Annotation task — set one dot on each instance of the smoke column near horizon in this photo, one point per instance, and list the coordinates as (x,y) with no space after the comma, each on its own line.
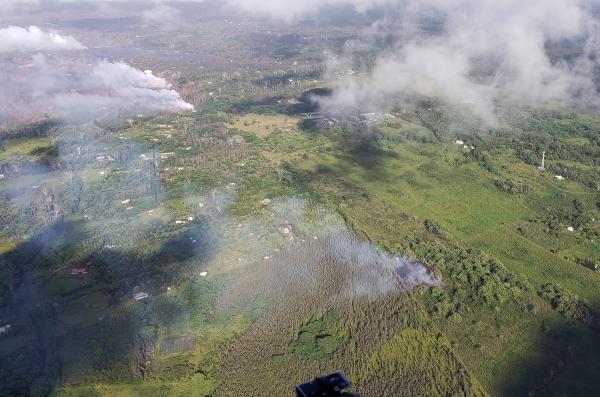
(77,90)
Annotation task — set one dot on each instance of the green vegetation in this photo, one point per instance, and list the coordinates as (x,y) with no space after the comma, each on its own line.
(213,214)
(319,337)
(412,359)
(491,226)
(494,250)
(567,304)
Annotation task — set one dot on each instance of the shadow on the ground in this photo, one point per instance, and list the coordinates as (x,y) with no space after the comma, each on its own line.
(85,327)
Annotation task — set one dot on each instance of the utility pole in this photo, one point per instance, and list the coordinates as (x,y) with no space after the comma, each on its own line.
(156,174)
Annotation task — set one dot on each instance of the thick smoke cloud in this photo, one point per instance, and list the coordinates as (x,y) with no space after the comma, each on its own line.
(74,89)
(474,53)
(18,39)
(487,52)
(77,90)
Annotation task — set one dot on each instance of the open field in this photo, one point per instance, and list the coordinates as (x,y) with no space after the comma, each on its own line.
(263,125)
(23,146)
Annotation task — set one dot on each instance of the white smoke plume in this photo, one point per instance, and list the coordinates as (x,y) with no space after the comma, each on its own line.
(487,52)
(305,249)
(471,52)
(18,39)
(77,90)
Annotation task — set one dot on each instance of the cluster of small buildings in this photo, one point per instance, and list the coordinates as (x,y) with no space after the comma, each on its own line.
(372,118)
(366,119)
(105,158)
(81,270)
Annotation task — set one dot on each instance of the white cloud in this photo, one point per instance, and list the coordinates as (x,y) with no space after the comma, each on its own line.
(290,10)
(17,39)
(282,9)
(163,16)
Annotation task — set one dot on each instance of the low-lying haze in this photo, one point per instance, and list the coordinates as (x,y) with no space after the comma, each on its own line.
(472,57)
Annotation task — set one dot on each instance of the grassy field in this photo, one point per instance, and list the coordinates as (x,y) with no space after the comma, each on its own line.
(421,181)
(262,125)
(23,146)
(424,181)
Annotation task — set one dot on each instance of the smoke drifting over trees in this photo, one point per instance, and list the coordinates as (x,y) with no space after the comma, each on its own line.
(77,90)
(464,52)
(335,267)
(459,51)
(73,89)
(477,58)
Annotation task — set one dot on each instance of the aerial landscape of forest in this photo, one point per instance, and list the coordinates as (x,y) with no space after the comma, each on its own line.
(231,198)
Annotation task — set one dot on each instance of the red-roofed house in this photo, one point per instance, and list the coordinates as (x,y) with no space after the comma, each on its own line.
(78,271)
